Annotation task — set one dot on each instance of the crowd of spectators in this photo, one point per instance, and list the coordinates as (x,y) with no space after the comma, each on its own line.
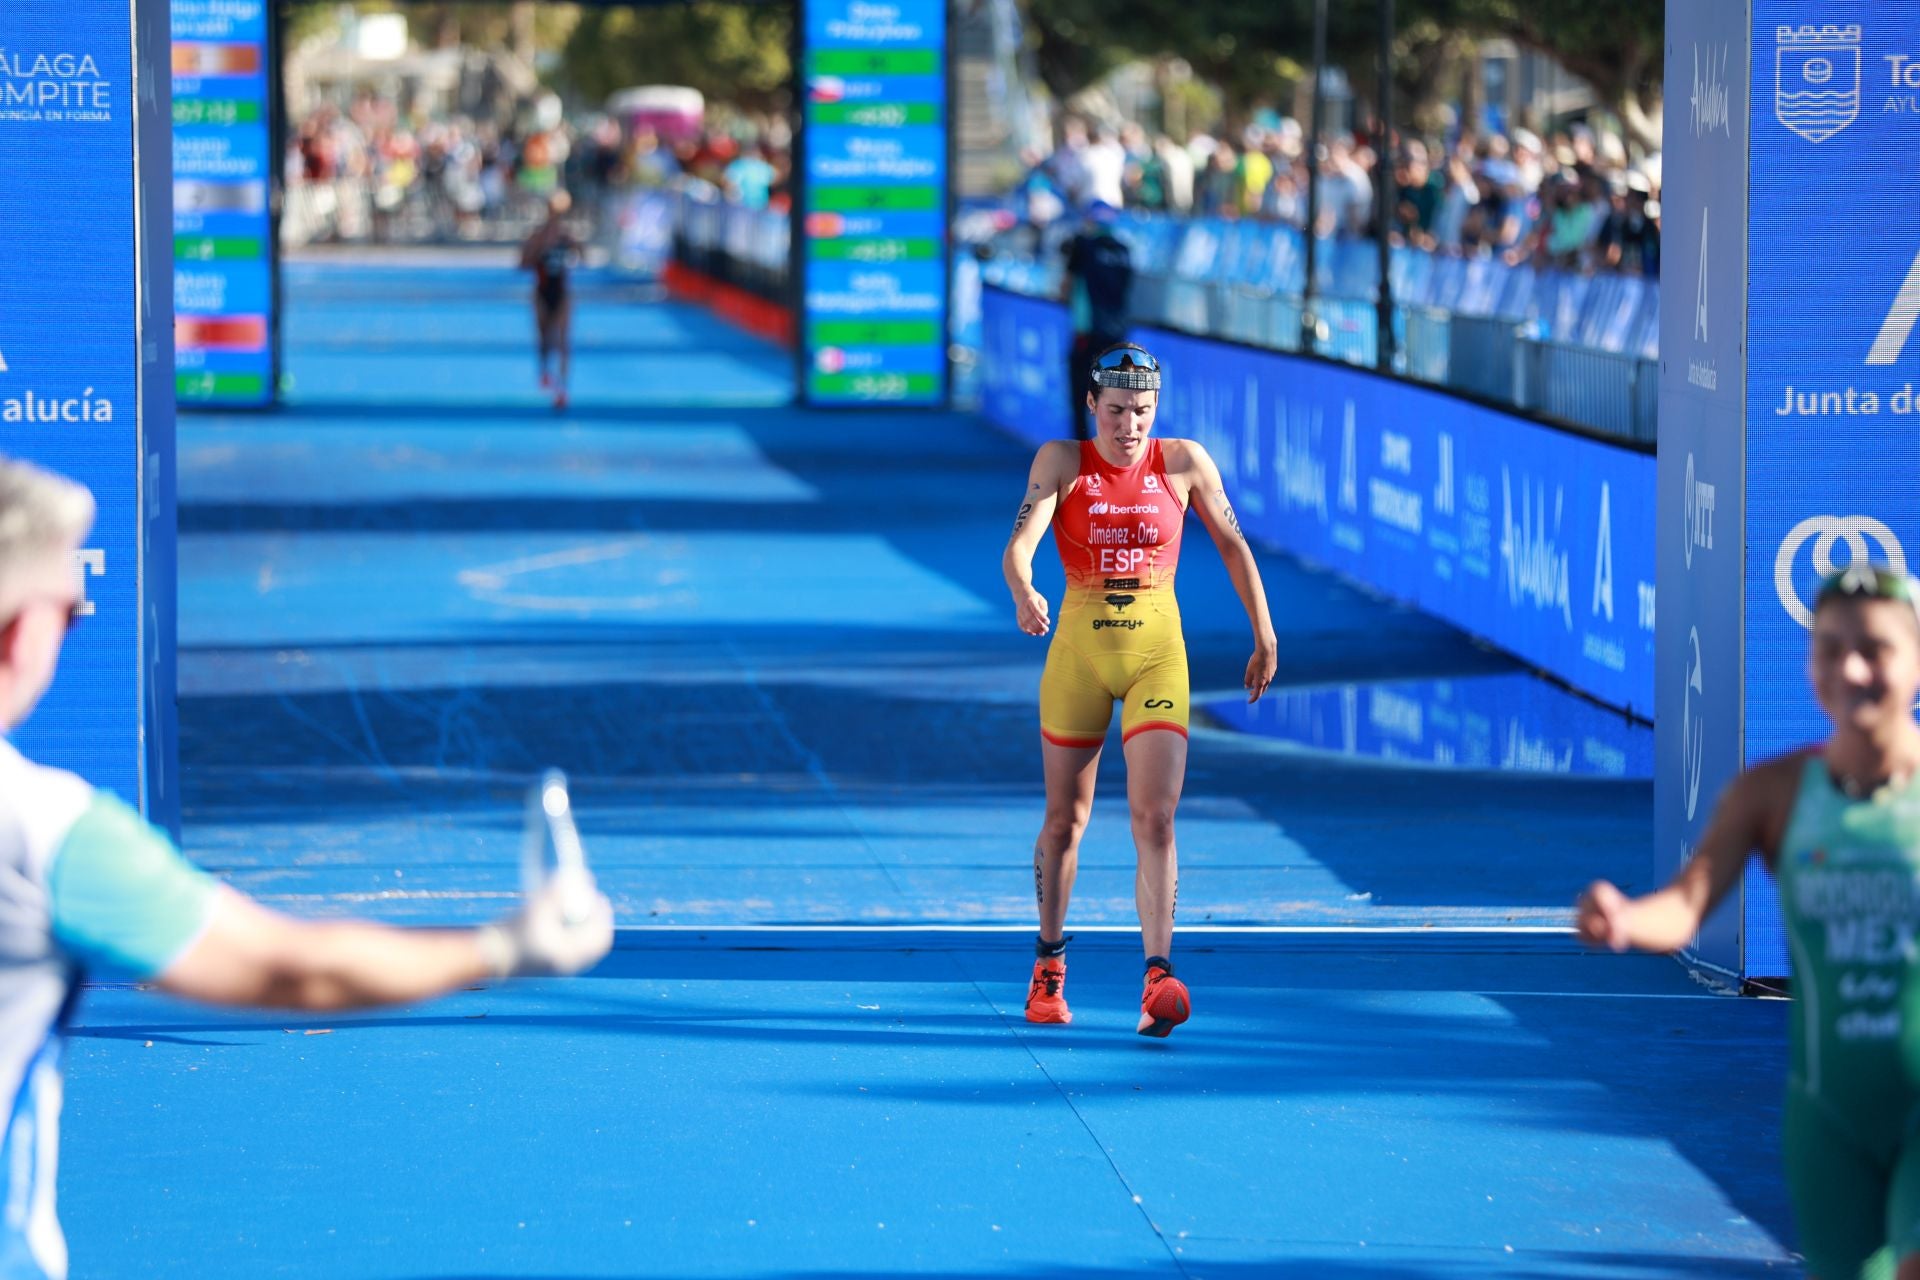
(1571,201)
(372,172)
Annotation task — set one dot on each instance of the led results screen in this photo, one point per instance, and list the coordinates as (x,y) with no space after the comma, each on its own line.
(222,166)
(874,196)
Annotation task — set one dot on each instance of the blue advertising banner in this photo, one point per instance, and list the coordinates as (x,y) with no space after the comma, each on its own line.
(86,368)
(873,208)
(1511,723)
(1698,688)
(1833,360)
(1024,344)
(1534,538)
(223,230)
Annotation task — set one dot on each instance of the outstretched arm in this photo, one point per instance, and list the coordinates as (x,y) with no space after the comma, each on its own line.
(1668,919)
(121,898)
(1210,502)
(1044,479)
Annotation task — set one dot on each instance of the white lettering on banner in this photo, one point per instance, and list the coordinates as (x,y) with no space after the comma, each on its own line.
(1903,70)
(1693,730)
(31,406)
(1701,371)
(1476,527)
(1443,487)
(1349,464)
(1603,558)
(1817,79)
(1709,106)
(1700,285)
(53,87)
(3,363)
(1825,532)
(1604,651)
(88,562)
(1396,453)
(1303,477)
(1648,604)
(1536,568)
(1851,402)
(1392,505)
(1898,326)
(1697,504)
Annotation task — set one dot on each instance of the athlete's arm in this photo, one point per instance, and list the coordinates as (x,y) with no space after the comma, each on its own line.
(249,955)
(1044,481)
(1748,817)
(1208,496)
(122,899)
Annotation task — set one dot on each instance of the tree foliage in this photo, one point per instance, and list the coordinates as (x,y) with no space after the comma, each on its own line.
(433,24)
(1258,49)
(735,53)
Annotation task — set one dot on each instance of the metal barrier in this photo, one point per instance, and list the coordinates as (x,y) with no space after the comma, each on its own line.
(1486,356)
(1607,390)
(1482,352)
(1427,353)
(357,210)
(740,246)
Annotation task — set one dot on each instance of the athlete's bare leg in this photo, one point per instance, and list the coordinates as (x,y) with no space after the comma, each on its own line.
(1156,771)
(543,335)
(1056,854)
(562,339)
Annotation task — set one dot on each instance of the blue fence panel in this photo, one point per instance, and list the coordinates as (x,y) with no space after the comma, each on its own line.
(1411,276)
(1449,279)
(1516,298)
(1198,248)
(1481,289)
(1613,312)
(1646,338)
(1024,344)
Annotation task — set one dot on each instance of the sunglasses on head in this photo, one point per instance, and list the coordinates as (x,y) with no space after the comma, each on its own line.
(1126,368)
(1865,581)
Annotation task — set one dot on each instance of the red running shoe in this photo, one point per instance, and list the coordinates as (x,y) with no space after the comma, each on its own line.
(1164,1003)
(1046,998)
(560,402)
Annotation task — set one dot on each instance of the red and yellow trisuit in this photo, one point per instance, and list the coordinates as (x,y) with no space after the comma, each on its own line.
(1118,638)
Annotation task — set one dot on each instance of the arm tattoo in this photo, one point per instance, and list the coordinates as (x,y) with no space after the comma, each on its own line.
(1233,521)
(1026,509)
